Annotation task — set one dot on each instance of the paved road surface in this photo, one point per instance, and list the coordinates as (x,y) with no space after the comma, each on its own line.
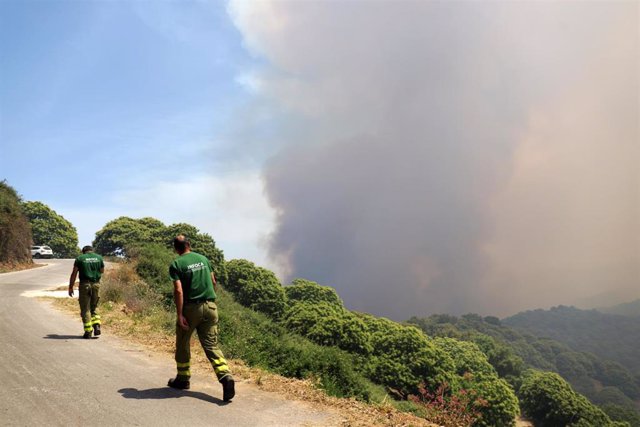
(48,376)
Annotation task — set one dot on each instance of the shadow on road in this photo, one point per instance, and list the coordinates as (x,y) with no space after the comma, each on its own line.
(167,393)
(65,337)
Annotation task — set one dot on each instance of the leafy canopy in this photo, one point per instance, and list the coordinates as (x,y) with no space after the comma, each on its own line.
(123,235)
(15,231)
(52,229)
(549,400)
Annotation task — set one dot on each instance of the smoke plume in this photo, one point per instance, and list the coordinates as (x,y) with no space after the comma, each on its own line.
(453,156)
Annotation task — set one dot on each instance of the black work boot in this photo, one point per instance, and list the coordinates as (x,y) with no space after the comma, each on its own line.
(179,384)
(87,335)
(228,388)
(96,330)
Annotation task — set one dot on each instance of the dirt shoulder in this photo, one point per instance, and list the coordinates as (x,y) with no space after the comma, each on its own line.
(144,331)
(10,267)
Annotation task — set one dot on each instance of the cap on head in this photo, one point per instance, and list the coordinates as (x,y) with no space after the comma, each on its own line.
(87,248)
(181,243)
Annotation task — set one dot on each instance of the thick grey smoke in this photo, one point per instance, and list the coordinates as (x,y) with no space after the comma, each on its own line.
(454,157)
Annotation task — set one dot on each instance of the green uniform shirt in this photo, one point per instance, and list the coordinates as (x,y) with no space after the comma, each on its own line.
(89,266)
(194,272)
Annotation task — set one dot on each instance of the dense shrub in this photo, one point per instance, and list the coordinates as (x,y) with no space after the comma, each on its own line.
(123,285)
(252,337)
(476,375)
(511,351)
(447,408)
(548,400)
(467,356)
(302,290)
(266,296)
(123,233)
(241,269)
(152,264)
(328,324)
(15,231)
(622,414)
(396,345)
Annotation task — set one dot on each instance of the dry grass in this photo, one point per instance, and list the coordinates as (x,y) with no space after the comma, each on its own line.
(152,332)
(7,267)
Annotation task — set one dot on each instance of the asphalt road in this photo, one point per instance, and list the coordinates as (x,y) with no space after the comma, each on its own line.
(50,376)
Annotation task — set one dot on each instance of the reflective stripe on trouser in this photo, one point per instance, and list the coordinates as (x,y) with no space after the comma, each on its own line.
(89,296)
(202,317)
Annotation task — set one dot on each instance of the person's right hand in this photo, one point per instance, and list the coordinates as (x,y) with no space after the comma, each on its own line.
(71,291)
(182,322)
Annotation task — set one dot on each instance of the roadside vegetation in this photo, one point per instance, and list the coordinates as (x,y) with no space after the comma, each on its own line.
(434,368)
(15,231)
(52,229)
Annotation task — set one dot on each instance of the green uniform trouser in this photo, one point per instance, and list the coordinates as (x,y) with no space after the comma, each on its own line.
(89,296)
(203,317)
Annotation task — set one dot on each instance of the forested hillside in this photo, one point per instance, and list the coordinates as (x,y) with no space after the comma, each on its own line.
(15,231)
(625,309)
(511,351)
(609,336)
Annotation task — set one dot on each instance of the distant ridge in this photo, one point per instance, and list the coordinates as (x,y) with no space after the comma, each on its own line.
(610,336)
(625,309)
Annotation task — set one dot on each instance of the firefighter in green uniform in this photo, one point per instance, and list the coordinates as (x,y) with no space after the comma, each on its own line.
(194,294)
(90,265)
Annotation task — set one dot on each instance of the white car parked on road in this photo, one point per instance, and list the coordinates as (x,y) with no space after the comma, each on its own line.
(41,252)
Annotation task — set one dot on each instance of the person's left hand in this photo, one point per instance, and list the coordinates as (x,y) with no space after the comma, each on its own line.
(71,290)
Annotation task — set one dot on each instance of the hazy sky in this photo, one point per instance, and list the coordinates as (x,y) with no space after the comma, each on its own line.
(420,157)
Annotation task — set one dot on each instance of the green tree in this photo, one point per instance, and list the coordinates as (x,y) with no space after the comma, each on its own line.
(266,296)
(152,262)
(622,414)
(122,233)
(308,291)
(394,344)
(549,400)
(15,231)
(239,270)
(52,229)
(328,324)
(476,375)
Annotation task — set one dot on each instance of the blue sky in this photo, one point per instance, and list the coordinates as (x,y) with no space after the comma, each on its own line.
(107,108)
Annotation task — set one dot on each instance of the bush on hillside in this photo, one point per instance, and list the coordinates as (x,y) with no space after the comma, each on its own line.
(622,414)
(266,296)
(548,400)
(241,269)
(446,408)
(301,290)
(328,324)
(123,233)
(123,285)
(152,263)
(394,345)
(255,339)
(478,376)
(15,231)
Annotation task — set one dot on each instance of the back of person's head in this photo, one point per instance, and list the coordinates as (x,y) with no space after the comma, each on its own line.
(87,249)
(181,243)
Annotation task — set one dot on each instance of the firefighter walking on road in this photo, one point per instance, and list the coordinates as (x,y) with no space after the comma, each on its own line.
(90,266)
(194,294)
